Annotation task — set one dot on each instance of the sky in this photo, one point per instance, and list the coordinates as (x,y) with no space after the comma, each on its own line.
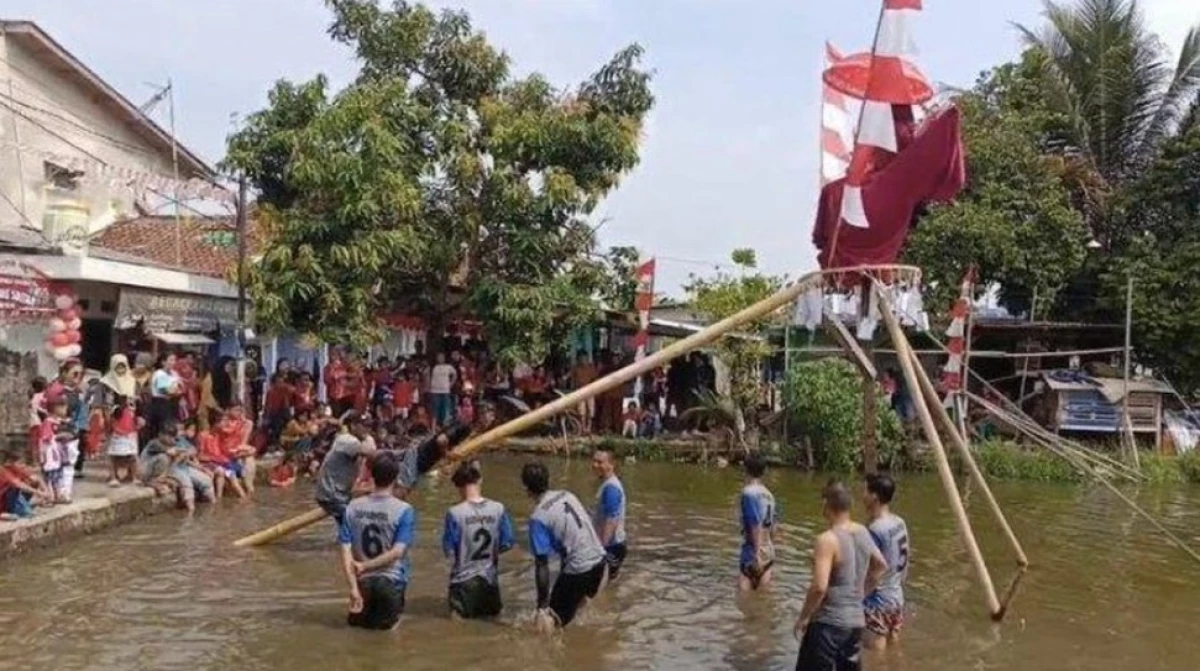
(730,155)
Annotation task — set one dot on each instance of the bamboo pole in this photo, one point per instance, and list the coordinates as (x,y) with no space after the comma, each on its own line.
(517,425)
(964,451)
(1128,424)
(943,464)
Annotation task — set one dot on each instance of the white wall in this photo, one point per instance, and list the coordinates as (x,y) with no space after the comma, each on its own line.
(52,101)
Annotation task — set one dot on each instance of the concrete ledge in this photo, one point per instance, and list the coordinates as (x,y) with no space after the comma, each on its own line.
(95,507)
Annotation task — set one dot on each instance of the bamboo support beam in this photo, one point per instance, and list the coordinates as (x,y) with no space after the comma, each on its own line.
(509,429)
(943,464)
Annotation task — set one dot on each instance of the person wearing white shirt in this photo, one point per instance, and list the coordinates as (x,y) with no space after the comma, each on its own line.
(441,383)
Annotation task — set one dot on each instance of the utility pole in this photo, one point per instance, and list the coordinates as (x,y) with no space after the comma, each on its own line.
(241,279)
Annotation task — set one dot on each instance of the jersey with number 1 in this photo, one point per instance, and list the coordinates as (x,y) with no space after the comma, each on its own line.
(560,525)
(475,534)
(374,524)
(890,534)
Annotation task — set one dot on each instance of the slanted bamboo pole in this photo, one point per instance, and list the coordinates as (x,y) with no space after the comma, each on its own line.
(964,451)
(507,430)
(943,464)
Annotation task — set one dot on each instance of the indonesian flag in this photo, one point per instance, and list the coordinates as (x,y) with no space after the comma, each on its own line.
(836,132)
(643,300)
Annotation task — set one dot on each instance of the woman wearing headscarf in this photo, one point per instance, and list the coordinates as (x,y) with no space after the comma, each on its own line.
(120,401)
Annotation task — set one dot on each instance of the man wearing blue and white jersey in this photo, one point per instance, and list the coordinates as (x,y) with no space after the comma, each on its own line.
(476,532)
(884,607)
(609,516)
(559,525)
(374,535)
(759,517)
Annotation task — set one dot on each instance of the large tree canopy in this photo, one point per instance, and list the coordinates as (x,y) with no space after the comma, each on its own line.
(437,181)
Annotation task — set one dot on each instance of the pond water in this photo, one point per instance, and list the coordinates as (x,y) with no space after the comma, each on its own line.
(170,592)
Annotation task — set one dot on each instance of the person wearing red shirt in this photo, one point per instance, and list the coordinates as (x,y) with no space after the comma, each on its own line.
(306,396)
(20,489)
(278,405)
(233,432)
(213,459)
(335,385)
(403,394)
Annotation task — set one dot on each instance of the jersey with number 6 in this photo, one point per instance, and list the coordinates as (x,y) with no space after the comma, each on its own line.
(890,534)
(559,524)
(475,534)
(374,524)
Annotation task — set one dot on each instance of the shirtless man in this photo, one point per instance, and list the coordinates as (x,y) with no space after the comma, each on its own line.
(846,566)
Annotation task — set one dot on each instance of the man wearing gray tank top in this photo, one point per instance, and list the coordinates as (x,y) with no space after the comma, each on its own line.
(846,567)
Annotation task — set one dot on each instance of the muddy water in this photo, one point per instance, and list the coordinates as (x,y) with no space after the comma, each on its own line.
(171,593)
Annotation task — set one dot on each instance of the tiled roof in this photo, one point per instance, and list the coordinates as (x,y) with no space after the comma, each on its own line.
(205,246)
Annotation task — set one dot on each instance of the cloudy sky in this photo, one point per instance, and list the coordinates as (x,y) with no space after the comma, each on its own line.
(730,157)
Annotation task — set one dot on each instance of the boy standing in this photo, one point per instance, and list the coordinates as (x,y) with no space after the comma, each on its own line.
(760,519)
(884,607)
(477,531)
(375,534)
(609,517)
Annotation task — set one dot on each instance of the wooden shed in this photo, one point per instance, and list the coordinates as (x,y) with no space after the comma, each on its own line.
(1075,402)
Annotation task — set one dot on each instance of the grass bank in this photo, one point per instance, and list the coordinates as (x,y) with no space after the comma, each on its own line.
(1005,460)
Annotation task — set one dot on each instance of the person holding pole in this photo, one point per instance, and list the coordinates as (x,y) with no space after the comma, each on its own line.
(476,532)
(609,516)
(375,534)
(339,470)
(846,566)
(884,607)
(760,518)
(559,524)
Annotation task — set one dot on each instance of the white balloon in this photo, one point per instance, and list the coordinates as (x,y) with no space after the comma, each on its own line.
(63,301)
(63,353)
(75,324)
(57,325)
(74,350)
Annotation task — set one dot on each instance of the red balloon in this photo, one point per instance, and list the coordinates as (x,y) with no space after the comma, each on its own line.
(72,337)
(68,314)
(59,340)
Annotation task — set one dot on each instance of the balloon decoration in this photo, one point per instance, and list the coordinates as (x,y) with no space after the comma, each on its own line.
(64,337)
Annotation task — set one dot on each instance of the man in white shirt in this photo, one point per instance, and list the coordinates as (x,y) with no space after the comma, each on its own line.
(441,383)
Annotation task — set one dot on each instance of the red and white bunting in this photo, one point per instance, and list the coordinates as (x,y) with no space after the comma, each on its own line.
(836,131)
(952,372)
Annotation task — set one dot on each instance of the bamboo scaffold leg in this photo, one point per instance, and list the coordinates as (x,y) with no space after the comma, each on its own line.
(904,352)
(757,311)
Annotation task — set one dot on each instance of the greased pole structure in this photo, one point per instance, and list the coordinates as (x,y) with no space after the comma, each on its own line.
(757,311)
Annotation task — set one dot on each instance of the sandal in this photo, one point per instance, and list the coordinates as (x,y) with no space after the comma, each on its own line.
(114,483)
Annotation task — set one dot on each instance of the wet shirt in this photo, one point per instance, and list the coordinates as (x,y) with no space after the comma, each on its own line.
(890,534)
(757,508)
(610,505)
(843,604)
(559,525)
(474,535)
(374,524)
(335,480)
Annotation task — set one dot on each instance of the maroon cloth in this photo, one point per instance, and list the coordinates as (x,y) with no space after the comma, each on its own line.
(930,169)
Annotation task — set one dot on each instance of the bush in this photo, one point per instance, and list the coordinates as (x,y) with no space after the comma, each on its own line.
(1006,460)
(1189,466)
(824,401)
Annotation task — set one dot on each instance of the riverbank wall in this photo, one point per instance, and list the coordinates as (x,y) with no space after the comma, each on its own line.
(95,507)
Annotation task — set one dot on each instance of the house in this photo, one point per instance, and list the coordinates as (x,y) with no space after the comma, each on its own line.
(79,167)
(1075,402)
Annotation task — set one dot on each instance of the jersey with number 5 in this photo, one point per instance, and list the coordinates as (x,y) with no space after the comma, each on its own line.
(560,525)
(374,524)
(475,534)
(890,534)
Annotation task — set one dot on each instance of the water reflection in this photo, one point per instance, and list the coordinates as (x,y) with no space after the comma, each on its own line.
(171,593)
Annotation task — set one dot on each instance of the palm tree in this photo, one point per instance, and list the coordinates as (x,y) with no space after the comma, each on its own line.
(1110,78)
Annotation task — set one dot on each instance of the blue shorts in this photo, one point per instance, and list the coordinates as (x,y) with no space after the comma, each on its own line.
(18,503)
(236,468)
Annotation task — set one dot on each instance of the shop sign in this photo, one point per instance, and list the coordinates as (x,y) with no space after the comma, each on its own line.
(163,312)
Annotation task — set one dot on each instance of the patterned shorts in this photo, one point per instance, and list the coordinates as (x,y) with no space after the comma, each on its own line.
(884,619)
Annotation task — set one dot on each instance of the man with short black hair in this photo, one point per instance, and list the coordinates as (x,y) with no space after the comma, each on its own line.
(375,534)
(339,470)
(884,607)
(559,525)
(476,532)
(609,516)
(846,566)
(760,518)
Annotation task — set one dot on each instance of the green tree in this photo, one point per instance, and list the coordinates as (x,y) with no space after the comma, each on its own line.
(436,182)
(1014,221)
(742,353)
(1108,75)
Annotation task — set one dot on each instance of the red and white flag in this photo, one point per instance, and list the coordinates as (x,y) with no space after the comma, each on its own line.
(643,300)
(837,133)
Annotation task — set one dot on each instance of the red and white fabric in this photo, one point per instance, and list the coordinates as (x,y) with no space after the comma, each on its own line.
(642,302)
(952,372)
(837,133)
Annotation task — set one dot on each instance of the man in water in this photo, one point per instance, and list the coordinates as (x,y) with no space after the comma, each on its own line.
(760,520)
(559,525)
(884,607)
(422,457)
(846,566)
(339,470)
(477,531)
(609,516)
(375,534)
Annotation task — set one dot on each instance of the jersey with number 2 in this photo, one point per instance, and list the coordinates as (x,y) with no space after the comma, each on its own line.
(474,535)
(374,524)
(560,524)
